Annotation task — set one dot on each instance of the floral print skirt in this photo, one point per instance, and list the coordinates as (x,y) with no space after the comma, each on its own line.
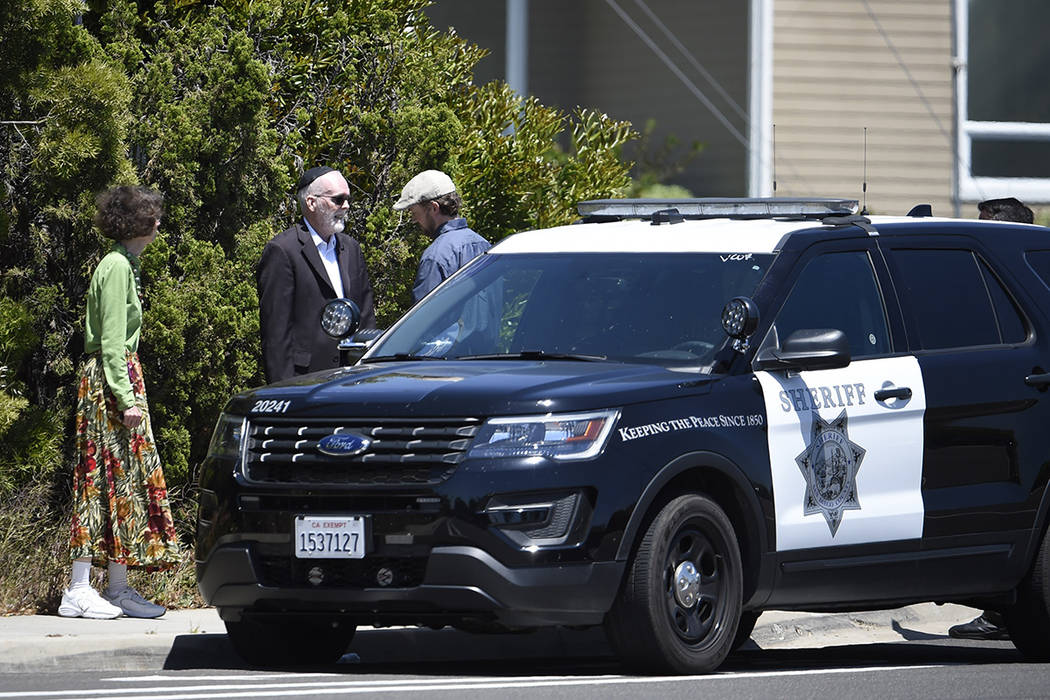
(120,500)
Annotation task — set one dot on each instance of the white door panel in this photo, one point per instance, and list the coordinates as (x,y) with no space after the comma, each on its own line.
(846,467)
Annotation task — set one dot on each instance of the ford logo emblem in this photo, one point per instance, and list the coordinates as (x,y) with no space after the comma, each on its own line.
(344,445)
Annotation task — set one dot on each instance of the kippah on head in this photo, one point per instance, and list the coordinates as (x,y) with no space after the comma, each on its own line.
(311,175)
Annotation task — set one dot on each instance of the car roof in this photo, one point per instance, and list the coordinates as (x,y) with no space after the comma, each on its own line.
(637,236)
(716,235)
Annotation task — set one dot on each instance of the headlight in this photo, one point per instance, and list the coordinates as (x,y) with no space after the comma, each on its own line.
(561,437)
(228,437)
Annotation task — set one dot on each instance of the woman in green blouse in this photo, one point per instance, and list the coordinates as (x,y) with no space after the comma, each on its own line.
(121,516)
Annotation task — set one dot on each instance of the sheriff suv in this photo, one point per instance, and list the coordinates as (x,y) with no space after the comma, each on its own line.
(663,419)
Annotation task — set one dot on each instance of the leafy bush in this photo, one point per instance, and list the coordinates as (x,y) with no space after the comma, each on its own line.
(220,104)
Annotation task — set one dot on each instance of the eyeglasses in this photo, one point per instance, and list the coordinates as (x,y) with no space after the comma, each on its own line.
(337,199)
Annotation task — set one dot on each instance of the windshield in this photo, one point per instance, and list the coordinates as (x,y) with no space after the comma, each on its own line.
(661,308)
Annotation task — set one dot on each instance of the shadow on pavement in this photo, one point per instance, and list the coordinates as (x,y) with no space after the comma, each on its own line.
(913,635)
(561,652)
(202,651)
(421,651)
(943,652)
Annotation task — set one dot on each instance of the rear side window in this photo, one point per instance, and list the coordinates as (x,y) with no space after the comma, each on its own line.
(1012,327)
(1039,261)
(946,293)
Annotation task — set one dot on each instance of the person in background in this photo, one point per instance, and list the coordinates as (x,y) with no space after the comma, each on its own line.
(434,204)
(303,268)
(121,515)
(989,624)
(1005,209)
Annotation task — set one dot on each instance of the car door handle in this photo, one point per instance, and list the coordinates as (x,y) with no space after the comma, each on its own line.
(1037,380)
(901,392)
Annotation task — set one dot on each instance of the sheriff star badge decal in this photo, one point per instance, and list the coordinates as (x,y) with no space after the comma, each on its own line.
(830,464)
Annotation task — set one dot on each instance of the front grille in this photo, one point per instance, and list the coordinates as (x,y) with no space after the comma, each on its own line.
(400,572)
(401,452)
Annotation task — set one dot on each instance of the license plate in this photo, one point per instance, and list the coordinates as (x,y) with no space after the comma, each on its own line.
(337,537)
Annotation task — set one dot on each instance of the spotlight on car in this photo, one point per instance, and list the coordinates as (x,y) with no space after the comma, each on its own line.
(739,317)
(340,318)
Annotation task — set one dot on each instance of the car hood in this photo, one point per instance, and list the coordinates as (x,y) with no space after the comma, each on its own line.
(471,388)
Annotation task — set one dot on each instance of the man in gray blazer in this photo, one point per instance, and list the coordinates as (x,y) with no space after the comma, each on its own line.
(303,268)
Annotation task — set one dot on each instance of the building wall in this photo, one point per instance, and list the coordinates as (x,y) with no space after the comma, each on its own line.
(581,53)
(482,22)
(834,74)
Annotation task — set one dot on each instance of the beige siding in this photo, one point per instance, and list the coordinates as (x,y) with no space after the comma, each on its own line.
(834,75)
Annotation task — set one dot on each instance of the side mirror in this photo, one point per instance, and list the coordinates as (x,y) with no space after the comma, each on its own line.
(351,349)
(806,349)
(340,318)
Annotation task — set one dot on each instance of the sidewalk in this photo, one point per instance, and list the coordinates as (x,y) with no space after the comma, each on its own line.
(188,639)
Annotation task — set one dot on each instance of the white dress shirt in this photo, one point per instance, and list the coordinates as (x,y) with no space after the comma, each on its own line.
(328,257)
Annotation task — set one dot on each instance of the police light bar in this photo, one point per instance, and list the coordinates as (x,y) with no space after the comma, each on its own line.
(711,207)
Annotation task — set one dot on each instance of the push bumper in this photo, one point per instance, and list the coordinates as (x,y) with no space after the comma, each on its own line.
(459,582)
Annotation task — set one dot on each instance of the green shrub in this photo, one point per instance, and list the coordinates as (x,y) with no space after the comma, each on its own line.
(220,104)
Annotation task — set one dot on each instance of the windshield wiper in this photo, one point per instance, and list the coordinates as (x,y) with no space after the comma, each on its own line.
(535,355)
(400,357)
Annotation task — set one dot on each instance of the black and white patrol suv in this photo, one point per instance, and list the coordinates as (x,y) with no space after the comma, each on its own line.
(664,419)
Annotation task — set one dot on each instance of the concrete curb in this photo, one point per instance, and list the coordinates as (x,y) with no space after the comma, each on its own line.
(196,639)
(34,643)
(914,622)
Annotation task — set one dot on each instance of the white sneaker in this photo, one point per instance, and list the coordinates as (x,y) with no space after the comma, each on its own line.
(84,601)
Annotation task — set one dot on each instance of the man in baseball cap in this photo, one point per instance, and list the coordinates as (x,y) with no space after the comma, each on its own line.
(432,200)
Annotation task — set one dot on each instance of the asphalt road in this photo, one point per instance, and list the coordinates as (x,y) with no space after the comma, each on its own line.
(926,669)
(901,653)
(928,666)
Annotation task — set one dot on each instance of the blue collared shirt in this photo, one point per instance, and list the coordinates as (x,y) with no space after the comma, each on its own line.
(456,245)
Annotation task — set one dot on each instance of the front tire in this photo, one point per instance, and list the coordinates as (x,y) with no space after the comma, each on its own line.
(679,606)
(1028,620)
(293,642)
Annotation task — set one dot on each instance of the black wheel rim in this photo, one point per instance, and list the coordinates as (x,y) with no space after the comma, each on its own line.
(695,623)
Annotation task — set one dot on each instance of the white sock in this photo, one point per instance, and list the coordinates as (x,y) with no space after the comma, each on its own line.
(118,577)
(81,573)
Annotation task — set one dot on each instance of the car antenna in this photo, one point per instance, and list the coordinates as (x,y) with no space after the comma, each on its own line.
(864,177)
(774,160)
